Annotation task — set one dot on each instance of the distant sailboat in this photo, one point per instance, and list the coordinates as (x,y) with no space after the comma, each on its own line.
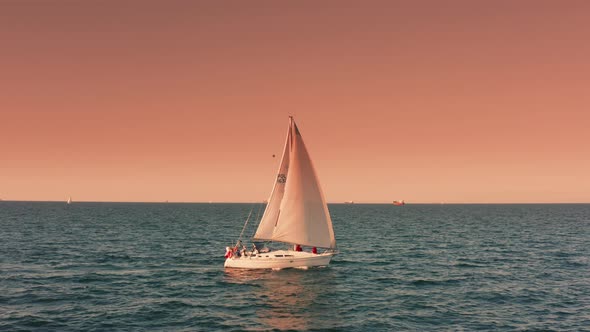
(69,200)
(296,214)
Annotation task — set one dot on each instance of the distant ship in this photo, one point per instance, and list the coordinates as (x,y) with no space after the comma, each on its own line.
(399,202)
(349,202)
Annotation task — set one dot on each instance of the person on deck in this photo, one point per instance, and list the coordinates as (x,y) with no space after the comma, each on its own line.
(228,252)
(314,250)
(298,248)
(236,250)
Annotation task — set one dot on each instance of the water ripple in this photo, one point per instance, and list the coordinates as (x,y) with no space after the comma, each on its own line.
(121,267)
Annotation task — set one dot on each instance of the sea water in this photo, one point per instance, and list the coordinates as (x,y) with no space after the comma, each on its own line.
(138,267)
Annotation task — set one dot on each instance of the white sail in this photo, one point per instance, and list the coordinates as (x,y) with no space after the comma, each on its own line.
(271,213)
(297,211)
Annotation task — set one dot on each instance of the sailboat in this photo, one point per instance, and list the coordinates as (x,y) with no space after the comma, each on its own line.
(296,215)
(69,200)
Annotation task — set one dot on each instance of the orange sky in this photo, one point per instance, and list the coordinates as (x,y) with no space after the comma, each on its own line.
(427,101)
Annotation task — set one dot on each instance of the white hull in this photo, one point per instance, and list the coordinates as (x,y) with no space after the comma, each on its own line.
(280,259)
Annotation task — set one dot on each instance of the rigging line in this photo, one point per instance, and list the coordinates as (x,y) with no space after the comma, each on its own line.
(244,228)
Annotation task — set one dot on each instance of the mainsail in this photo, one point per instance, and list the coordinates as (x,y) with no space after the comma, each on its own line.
(296,211)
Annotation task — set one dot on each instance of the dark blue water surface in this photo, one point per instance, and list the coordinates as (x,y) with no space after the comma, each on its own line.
(124,266)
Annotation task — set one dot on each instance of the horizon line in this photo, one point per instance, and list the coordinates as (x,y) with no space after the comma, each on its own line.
(258,202)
